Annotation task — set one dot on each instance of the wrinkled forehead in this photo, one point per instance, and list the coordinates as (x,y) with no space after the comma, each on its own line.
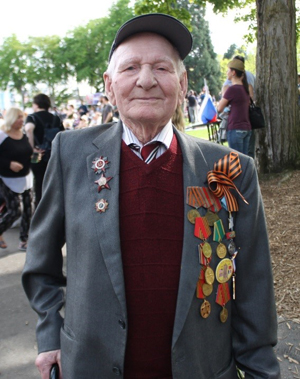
(156,46)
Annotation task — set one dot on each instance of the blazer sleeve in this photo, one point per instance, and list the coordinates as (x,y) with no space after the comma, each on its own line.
(43,278)
(254,319)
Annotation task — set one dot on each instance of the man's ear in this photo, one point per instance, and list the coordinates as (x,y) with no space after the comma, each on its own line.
(109,88)
(183,87)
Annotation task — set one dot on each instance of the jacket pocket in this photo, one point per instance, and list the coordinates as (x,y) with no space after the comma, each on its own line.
(229,373)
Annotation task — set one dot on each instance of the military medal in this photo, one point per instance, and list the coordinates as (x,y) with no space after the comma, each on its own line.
(221,251)
(101,206)
(224,315)
(223,296)
(205,309)
(224,270)
(103,182)
(100,164)
(207,289)
(209,275)
(203,260)
(192,215)
(202,290)
(206,249)
(202,229)
(231,247)
(211,217)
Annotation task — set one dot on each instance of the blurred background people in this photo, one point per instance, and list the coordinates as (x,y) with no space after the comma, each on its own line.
(95,119)
(40,136)
(83,109)
(237,96)
(192,106)
(15,175)
(107,110)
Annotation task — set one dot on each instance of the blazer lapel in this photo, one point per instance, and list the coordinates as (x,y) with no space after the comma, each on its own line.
(195,169)
(108,147)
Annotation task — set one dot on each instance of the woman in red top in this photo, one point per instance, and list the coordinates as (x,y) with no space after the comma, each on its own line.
(238,98)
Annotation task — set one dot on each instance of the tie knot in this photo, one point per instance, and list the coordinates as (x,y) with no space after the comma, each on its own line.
(149,151)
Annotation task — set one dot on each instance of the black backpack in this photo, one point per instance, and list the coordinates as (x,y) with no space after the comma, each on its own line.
(50,131)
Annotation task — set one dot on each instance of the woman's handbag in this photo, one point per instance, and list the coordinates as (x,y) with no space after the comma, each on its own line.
(256,117)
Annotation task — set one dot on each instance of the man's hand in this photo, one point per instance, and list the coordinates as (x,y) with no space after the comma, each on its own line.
(45,361)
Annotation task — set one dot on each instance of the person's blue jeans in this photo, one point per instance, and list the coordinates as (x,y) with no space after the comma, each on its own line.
(239,140)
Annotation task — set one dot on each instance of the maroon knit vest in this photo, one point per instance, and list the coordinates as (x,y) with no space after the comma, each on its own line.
(151,230)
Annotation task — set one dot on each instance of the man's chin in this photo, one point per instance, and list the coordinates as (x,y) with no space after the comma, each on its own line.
(147,116)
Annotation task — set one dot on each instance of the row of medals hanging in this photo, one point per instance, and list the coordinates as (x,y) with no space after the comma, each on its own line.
(226,268)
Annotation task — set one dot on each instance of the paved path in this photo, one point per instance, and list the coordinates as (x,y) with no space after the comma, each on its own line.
(17,324)
(17,320)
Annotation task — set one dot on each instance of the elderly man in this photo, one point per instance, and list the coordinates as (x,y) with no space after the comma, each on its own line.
(168,267)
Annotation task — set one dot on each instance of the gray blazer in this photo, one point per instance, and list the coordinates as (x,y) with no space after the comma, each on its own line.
(92,334)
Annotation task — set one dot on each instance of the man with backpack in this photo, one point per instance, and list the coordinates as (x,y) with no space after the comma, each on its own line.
(41,127)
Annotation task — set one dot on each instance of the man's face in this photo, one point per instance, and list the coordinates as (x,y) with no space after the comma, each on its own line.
(145,83)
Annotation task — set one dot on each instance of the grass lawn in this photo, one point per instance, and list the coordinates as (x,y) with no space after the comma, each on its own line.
(200,133)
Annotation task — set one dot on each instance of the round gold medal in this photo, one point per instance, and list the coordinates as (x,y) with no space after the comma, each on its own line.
(211,217)
(224,315)
(207,289)
(224,270)
(192,215)
(221,251)
(205,309)
(207,251)
(209,275)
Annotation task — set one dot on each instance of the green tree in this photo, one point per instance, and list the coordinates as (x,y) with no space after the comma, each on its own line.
(230,52)
(87,47)
(48,63)
(170,6)
(202,62)
(15,65)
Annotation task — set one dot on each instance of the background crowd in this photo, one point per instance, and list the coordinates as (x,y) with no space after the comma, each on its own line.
(25,139)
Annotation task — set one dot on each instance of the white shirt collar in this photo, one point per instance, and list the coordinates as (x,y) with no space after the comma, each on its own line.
(164,136)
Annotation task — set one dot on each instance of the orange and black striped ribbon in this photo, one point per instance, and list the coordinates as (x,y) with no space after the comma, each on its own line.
(220,179)
(202,197)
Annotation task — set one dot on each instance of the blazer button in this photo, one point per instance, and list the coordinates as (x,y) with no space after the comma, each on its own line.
(122,324)
(116,371)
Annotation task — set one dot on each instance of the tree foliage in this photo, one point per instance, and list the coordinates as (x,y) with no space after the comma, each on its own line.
(48,62)
(87,47)
(202,62)
(15,65)
(169,6)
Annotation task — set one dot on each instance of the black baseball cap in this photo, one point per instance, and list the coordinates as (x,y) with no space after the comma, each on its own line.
(167,26)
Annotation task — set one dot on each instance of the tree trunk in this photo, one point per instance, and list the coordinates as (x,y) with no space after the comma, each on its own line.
(276,85)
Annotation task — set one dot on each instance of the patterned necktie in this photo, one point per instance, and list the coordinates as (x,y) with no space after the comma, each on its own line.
(149,152)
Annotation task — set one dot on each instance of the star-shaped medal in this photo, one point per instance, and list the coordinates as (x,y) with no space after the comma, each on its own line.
(101,206)
(100,164)
(103,182)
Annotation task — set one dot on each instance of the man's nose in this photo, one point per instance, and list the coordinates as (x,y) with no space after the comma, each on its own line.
(146,78)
